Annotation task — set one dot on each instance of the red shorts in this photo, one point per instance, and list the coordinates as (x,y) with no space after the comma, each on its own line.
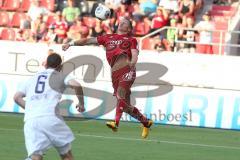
(124,77)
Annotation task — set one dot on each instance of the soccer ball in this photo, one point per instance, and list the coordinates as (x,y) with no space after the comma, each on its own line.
(102,12)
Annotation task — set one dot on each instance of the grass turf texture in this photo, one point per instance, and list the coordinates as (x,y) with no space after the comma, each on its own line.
(94,141)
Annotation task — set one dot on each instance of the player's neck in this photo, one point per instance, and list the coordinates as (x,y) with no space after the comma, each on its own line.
(119,32)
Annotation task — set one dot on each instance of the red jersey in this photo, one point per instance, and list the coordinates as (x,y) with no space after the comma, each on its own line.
(158,21)
(117,45)
(62,25)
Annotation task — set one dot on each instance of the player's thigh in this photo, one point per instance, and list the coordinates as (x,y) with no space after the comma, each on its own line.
(121,92)
(35,139)
(124,86)
(58,132)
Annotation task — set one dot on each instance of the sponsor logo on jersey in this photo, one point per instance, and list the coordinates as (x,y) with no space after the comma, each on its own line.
(117,42)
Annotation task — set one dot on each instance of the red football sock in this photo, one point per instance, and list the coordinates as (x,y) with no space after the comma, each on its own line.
(135,113)
(139,116)
(119,110)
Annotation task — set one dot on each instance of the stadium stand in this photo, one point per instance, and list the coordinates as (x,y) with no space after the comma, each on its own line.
(11,5)
(89,21)
(8,34)
(50,20)
(1,4)
(25,5)
(221,16)
(49,4)
(17,18)
(4,20)
(148,44)
(14,12)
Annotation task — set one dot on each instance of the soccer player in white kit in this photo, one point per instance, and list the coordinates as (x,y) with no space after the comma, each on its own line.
(43,126)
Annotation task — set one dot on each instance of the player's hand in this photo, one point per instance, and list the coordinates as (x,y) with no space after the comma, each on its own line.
(80,107)
(65,46)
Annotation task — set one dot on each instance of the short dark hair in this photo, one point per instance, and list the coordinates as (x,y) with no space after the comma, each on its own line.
(54,60)
(126,2)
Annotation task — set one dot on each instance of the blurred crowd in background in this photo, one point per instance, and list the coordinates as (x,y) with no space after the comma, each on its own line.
(60,21)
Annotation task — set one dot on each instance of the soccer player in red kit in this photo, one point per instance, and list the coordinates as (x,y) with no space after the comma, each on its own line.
(122,56)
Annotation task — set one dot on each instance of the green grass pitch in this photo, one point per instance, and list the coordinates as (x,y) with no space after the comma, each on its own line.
(94,141)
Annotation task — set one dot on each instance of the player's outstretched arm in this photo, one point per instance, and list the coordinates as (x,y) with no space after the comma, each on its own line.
(79,93)
(18,98)
(134,57)
(80,42)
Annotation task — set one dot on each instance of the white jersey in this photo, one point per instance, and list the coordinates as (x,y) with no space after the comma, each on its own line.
(41,98)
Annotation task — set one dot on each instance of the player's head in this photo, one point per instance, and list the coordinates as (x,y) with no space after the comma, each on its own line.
(125,25)
(54,61)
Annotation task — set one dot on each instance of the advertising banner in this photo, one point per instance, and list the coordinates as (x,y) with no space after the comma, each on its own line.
(179,89)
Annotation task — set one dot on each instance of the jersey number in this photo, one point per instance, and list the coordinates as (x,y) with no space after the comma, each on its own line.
(40,86)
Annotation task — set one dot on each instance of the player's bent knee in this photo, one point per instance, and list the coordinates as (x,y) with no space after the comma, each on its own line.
(67,156)
(36,157)
(65,152)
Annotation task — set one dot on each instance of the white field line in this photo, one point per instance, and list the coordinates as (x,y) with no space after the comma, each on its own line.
(144,140)
(159,141)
